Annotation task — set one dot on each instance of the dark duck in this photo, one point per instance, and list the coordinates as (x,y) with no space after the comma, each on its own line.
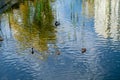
(83,50)
(1,39)
(57,23)
(32,51)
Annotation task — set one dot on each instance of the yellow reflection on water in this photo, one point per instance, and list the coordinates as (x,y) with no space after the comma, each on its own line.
(32,27)
(88,8)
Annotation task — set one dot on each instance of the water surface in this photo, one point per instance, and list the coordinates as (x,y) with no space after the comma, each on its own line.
(92,24)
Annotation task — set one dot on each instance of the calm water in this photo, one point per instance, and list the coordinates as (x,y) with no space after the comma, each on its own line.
(93,24)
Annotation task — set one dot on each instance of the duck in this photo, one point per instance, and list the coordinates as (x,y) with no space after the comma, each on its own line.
(32,51)
(83,50)
(1,39)
(57,52)
(57,23)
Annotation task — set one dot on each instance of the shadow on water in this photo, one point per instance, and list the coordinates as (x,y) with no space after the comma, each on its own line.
(32,42)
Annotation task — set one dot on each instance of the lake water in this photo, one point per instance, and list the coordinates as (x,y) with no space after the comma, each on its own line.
(90,24)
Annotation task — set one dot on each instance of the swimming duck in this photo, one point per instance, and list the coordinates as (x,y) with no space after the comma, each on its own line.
(1,39)
(32,51)
(57,52)
(83,50)
(57,23)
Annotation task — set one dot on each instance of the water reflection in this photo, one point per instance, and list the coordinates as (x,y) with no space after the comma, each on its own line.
(107,18)
(36,29)
(31,26)
(88,8)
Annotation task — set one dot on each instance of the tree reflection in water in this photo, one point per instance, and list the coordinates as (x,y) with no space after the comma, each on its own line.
(107,18)
(32,25)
